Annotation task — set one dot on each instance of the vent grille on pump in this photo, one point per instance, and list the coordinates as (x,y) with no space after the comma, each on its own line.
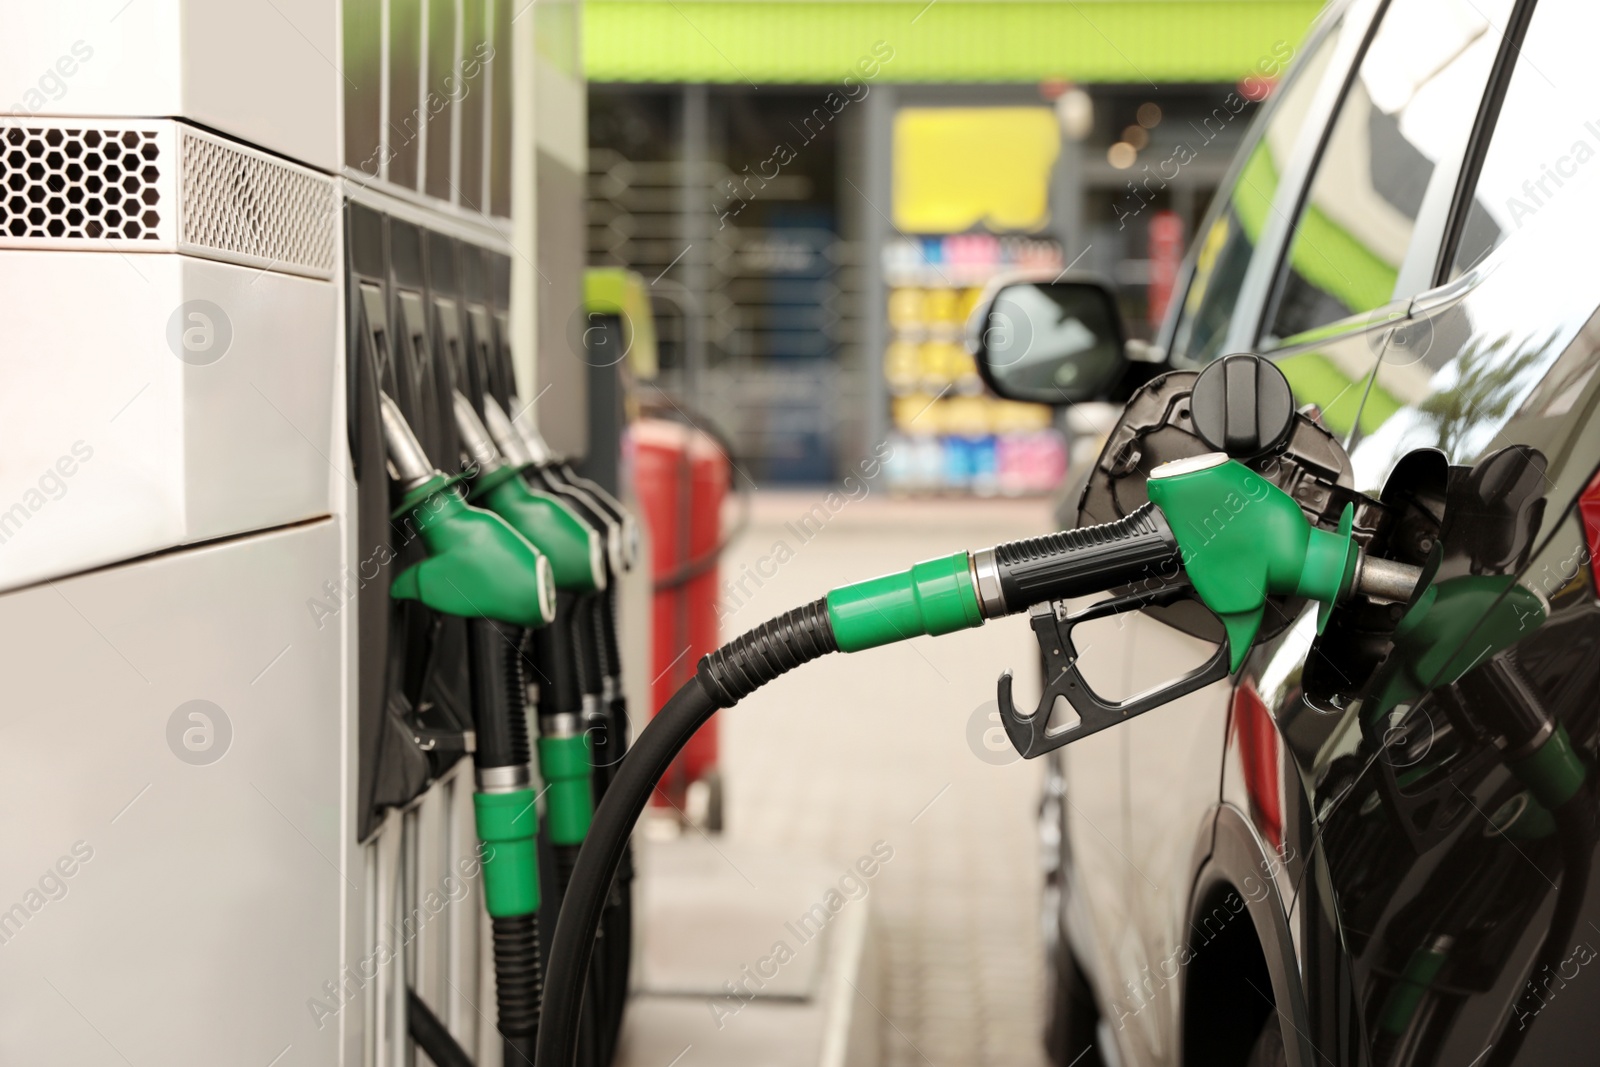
(161,186)
(84,183)
(255,207)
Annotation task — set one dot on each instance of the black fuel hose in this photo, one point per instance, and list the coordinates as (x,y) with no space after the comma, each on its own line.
(928,599)
(724,678)
(432,1036)
(609,732)
(608,735)
(560,684)
(574,656)
(616,947)
(579,673)
(607,625)
(499,696)
(586,642)
(594,635)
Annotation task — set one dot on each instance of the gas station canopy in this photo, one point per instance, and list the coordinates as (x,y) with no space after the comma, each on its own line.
(819,41)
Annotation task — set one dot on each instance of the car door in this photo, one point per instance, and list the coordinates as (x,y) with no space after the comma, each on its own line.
(1439,879)
(1142,795)
(1324,291)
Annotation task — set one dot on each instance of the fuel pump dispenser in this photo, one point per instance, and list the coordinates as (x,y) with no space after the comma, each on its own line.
(300,243)
(1239,538)
(482,569)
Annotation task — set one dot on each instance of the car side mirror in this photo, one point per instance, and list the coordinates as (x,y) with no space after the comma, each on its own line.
(1056,341)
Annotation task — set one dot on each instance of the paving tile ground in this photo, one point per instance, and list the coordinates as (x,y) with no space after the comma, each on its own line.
(882,747)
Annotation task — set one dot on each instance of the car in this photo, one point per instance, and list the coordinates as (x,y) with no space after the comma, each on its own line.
(1372,843)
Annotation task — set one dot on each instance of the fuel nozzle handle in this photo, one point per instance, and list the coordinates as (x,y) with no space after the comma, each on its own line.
(1091,559)
(526,450)
(940,596)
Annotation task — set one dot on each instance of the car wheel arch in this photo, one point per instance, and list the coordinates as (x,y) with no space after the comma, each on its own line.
(1227,959)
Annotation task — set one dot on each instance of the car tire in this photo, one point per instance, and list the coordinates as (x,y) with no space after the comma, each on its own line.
(1070,1032)
(1269,1050)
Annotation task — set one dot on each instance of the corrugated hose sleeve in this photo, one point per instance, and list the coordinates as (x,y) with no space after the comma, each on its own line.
(776,647)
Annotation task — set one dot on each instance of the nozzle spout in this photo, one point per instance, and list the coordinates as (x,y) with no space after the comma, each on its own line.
(1384,579)
(505,435)
(522,425)
(475,436)
(411,464)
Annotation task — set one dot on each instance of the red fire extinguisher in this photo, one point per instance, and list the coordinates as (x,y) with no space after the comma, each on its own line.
(681,476)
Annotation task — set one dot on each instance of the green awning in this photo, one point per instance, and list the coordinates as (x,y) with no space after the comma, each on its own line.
(763,42)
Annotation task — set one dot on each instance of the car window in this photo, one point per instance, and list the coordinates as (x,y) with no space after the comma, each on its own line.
(1229,242)
(1544,136)
(1512,361)
(1410,108)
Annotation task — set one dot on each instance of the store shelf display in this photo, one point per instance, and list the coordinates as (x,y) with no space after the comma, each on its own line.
(949,435)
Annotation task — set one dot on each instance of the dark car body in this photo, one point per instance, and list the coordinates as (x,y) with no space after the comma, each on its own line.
(1409,234)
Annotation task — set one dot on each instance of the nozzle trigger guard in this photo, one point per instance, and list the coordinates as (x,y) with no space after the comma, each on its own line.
(1053,626)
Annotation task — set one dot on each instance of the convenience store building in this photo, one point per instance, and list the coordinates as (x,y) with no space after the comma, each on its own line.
(817,192)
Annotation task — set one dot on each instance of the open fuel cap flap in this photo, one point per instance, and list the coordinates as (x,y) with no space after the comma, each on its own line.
(1242,405)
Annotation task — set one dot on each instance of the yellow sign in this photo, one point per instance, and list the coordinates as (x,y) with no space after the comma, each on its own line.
(957,167)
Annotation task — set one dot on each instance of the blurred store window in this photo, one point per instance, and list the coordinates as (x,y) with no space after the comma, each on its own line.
(814,203)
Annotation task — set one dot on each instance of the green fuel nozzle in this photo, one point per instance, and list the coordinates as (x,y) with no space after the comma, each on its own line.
(524,448)
(574,548)
(477,565)
(1237,538)
(1242,540)
(1214,531)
